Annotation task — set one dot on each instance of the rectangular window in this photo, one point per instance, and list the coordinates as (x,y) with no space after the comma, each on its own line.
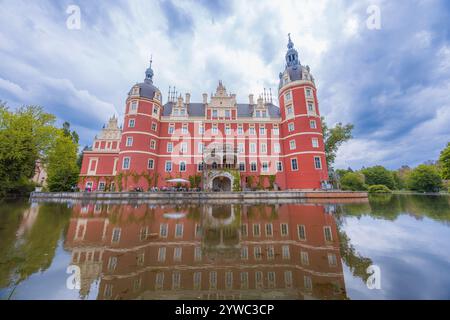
(126,163)
(134,105)
(253,167)
(182,166)
(213,280)
(176,280)
(198,253)
(183,147)
(178,230)
(177,253)
(256,230)
(184,129)
(101,186)
(269,230)
(304,258)
(228,280)
(162,254)
(315,142)
(287,96)
(310,107)
(227,114)
(228,130)
(200,166)
(327,234)
(284,229)
(131,123)
(317,163)
(312,124)
(215,129)
(143,233)
(252,147)
(244,230)
(263,148)
(251,131)
(214,113)
(154,126)
(332,261)
(116,235)
(170,147)
(301,232)
(155,111)
(244,253)
(241,166)
(201,129)
(112,263)
(271,279)
(270,253)
(308,93)
(285,252)
(276,147)
(171,129)
(289,111)
(129,141)
(163,230)
(200,147)
(241,148)
(265,166)
(244,280)
(279,166)
(197,280)
(288,279)
(240,130)
(153,144)
(307,283)
(258,280)
(151,164)
(257,252)
(168,166)
(262,130)
(276,131)
(292,145)
(294,164)
(291,127)
(159,281)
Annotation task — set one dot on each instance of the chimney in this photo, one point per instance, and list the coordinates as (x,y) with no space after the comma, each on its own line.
(188,98)
(250,99)
(205,98)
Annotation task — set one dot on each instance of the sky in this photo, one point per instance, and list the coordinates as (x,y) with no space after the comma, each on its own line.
(391,82)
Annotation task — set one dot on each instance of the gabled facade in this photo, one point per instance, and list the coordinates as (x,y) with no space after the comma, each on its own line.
(228,145)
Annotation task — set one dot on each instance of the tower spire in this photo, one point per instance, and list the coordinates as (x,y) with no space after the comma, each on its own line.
(149,72)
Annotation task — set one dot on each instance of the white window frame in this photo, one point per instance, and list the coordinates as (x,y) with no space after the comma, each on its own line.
(152,162)
(292,144)
(292,164)
(131,123)
(123,163)
(129,142)
(184,164)
(168,162)
(320,163)
(169,147)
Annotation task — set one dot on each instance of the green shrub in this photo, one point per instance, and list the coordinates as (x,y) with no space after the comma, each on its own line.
(425,178)
(379,188)
(353,181)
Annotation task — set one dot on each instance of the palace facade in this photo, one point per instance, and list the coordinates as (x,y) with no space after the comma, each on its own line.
(214,251)
(219,143)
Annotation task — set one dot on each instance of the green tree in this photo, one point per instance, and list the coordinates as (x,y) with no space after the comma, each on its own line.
(71,134)
(425,179)
(444,161)
(334,138)
(353,181)
(26,135)
(62,168)
(379,175)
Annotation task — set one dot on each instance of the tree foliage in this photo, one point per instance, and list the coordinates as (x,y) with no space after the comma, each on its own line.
(353,181)
(334,138)
(62,166)
(26,135)
(424,179)
(379,175)
(444,161)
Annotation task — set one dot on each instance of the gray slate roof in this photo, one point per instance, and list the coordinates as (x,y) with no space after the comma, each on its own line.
(146,89)
(245,110)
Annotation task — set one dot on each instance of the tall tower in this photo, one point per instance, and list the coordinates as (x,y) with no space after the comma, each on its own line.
(304,152)
(140,134)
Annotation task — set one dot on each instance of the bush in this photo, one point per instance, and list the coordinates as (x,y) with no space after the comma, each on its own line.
(379,188)
(353,181)
(379,175)
(425,179)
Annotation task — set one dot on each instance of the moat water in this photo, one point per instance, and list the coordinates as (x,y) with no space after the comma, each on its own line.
(390,247)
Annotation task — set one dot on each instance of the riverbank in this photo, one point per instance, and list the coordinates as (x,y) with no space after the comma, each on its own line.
(242,196)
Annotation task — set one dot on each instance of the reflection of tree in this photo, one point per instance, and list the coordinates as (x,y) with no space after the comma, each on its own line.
(10,217)
(40,243)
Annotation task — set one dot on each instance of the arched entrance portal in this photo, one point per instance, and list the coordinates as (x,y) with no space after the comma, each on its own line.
(221,183)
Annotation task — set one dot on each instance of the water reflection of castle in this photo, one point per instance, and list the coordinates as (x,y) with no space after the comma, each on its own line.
(207,252)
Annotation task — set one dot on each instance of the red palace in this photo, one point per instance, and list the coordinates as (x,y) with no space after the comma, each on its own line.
(217,144)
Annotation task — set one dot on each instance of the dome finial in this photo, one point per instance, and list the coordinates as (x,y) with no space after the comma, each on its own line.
(290,43)
(149,71)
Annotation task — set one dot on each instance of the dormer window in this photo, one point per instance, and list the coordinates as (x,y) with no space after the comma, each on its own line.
(227,114)
(214,113)
(135,91)
(182,112)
